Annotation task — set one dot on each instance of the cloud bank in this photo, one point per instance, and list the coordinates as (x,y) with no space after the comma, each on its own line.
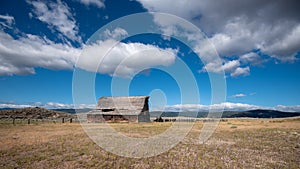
(49,105)
(228,106)
(215,107)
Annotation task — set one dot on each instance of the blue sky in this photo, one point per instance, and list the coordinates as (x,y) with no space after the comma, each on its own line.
(257,44)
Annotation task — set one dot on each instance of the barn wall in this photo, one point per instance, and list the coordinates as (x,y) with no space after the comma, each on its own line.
(131,118)
(95,118)
(144,117)
(98,118)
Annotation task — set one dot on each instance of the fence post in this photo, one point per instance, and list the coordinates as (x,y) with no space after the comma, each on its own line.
(28,121)
(14,121)
(63,120)
(71,120)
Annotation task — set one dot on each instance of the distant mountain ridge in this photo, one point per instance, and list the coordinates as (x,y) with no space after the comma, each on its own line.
(37,112)
(73,111)
(258,113)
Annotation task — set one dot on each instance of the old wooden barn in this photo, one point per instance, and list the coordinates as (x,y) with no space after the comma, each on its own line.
(121,109)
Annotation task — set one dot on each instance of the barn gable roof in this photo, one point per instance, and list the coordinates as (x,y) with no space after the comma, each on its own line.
(130,105)
(123,103)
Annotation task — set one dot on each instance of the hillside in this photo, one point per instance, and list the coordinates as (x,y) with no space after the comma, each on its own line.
(259,113)
(33,113)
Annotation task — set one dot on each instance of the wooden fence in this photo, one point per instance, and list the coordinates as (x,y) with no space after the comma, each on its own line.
(29,121)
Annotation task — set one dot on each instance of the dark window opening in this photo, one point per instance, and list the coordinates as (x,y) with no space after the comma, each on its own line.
(107,110)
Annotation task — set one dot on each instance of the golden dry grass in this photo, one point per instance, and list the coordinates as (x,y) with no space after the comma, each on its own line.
(237,143)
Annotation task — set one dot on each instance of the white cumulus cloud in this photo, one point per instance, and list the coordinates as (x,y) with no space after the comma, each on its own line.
(236,28)
(21,56)
(97,3)
(232,67)
(124,59)
(6,21)
(116,34)
(238,95)
(58,17)
(251,58)
(240,71)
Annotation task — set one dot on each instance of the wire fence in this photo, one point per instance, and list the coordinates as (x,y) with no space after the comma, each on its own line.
(23,121)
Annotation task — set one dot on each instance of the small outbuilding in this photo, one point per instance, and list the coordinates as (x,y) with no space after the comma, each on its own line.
(121,109)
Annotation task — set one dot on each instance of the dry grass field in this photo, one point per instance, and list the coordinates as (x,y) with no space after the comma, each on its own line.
(237,143)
